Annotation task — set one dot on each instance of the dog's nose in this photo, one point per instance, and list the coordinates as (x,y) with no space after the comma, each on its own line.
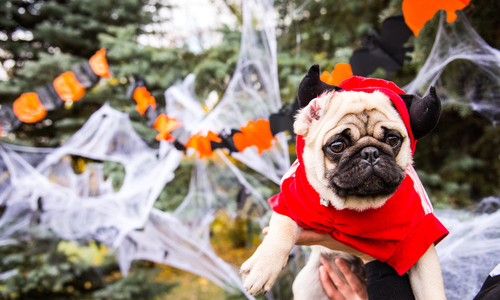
(370,154)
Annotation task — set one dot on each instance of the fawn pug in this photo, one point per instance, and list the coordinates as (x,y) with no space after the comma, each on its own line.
(354,180)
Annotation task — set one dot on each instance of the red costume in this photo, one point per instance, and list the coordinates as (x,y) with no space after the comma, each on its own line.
(398,233)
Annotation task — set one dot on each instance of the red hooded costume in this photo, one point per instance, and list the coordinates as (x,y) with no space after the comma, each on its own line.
(398,233)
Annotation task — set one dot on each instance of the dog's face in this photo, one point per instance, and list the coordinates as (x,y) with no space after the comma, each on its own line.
(356,149)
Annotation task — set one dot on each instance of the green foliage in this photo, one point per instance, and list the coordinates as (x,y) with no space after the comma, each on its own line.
(141,284)
(459,162)
(71,26)
(46,267)
(216,65)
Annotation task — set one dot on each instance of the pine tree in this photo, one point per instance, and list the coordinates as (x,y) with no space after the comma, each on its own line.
(40,39)
(60,35)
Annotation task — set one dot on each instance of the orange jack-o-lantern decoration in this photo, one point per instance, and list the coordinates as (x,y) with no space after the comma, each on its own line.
(418,12)
(28,108)
(99,63)
(68,87)
(255,133)
(144,99)
(201,143)
(341,72)
(165,125)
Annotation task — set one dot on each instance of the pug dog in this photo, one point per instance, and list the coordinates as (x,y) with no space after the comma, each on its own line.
(354,180)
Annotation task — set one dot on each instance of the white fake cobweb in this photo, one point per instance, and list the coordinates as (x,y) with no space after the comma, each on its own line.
(253,91)
(465,71)
(470,251)
(463,67)
(42,183)
(166,240)
(85,205)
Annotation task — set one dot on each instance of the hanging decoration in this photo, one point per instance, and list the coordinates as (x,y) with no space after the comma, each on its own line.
(68,87)
(202,143)
(259,133)
(418,12)
(165,126)
(99,64)
(254,133)
(144,99)
(475,80)
(249,122)
(386,51)
(28,108)
(340,72)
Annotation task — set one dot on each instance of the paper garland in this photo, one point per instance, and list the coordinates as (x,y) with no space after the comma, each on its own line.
(68,87)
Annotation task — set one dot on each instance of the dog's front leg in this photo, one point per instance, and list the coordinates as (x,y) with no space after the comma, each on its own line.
(426,278)
(263,267)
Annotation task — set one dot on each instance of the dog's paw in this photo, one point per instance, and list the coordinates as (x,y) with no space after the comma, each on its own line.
(260,271)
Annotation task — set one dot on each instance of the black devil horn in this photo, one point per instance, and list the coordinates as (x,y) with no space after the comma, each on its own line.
(424,112)
(312,86)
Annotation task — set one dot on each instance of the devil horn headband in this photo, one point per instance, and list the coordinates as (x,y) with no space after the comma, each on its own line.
(312,87)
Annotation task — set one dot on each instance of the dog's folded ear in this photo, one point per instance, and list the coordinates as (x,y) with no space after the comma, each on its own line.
(424,112)
(306,117)
(311,86)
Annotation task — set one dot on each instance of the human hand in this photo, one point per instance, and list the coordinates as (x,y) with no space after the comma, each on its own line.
(310,238)
(338,289)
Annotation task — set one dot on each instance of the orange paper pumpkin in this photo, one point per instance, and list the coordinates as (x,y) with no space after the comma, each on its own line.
(144,99)
(340,72)
(202,143)
(165,125)
(28,108)
(99,63)
(255,133)
(418,12)
(68,87)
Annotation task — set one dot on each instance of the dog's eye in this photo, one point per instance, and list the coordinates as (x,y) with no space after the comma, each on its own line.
(338,146)
(393,140)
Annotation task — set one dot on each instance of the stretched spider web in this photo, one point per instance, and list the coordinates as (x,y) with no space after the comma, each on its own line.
(85,205)
(465,71)
(463,67)
(41,184)
(470,251)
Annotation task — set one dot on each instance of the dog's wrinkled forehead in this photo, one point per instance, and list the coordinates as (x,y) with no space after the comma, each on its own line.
(359,113)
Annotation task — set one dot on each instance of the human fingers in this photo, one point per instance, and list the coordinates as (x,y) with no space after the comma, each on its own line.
(356,285)
(343,287)
(337,281)
(330,289)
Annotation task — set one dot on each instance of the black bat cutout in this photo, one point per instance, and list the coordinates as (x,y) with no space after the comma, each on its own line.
(226,141)
(284,118)
(385,51)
